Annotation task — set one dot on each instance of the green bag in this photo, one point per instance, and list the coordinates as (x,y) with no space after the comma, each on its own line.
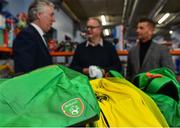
(48,97)
(162,86)
(113,73)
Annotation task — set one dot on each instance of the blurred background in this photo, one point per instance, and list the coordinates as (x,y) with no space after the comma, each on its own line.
(118,18)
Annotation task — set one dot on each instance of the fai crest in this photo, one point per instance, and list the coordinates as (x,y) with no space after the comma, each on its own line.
(73,107)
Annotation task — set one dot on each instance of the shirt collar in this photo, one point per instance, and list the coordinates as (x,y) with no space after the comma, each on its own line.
(38,29)
(92,44)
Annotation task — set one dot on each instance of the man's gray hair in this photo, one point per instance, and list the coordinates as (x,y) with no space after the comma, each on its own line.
(96,19)
(36,7)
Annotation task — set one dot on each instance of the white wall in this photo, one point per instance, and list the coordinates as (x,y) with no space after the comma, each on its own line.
(63,24)
(16,6)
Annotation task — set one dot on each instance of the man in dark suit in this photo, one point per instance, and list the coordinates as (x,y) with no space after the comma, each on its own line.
(147,55)
(30,49)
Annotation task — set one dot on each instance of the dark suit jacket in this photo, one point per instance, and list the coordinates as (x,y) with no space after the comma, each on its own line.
(29,51)
(157,56)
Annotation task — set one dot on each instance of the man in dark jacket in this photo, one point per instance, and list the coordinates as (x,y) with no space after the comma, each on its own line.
(95,52)
(30,48)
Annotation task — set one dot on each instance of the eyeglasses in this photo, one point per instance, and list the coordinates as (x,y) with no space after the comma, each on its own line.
(92,27)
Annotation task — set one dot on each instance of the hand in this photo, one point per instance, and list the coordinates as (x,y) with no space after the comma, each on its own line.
(95,72)
(86,71)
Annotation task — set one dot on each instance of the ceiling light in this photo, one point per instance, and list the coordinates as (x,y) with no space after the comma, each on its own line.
(106,32)
(103,20)
(163,18)
(170,32)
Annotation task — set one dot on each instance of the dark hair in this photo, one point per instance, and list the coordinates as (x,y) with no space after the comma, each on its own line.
(149,21)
